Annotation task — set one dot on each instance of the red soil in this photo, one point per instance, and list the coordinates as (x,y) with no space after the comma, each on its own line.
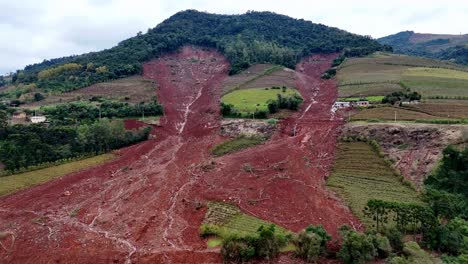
(131,124)
(142,208)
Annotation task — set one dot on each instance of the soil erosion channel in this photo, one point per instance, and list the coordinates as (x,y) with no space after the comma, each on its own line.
(145,206)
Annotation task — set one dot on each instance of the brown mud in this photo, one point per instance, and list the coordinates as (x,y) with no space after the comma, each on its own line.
(144,207)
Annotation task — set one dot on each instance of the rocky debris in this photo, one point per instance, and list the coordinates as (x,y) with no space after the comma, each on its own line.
(236,127)
(414,148)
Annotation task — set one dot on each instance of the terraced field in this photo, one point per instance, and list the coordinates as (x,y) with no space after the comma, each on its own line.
(382,74)
(443,108)
(390,114)
(230,220)
(360,174)
(260,75)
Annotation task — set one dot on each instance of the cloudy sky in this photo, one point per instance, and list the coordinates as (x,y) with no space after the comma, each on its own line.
(32,30)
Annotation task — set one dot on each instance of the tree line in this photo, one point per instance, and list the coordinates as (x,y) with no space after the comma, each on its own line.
(22,146)
(86,112)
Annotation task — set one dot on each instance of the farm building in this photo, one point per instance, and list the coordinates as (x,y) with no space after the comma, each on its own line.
(361,103)
(19,115)
(340,105)
(38,119)
(410,102)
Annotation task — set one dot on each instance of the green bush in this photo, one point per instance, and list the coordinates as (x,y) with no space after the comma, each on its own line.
(266,244)
(311,243)
(395,237)
(356,248)
(269,243)
(237,249)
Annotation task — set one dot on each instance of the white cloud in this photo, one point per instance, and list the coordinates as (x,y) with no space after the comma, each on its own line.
(32,31)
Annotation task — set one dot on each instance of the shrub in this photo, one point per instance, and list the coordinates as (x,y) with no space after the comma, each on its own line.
(395,237)
(356,247)
(382,244)
(311,243)
(237,249)
(207,230)
(268,243)
(307,246)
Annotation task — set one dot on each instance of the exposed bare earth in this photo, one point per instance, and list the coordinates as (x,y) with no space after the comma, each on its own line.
(415,148)
(142,208)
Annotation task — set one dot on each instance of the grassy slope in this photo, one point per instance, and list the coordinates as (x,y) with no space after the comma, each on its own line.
(227,220)
(236,144)
(16,182)
(388,113)
(381,74)
(249,100)
(360,174)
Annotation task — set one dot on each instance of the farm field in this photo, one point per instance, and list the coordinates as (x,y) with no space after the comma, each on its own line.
(443,108)
(388,113)
(382,74)
(260,75)
(16,182)
(368,98)
(228,219)
(371,89)
(236,144)
(360,174)
(134,89)
(250,100)
(436,82)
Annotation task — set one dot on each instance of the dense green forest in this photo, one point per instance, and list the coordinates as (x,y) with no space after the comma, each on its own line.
(445,47)
(254,37)
(22,146)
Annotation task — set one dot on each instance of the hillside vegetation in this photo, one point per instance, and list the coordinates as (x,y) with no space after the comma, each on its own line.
(254,37)
(445,47)
(360,175)
(382,74)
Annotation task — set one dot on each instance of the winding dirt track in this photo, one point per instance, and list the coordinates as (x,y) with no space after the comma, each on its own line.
(142,207)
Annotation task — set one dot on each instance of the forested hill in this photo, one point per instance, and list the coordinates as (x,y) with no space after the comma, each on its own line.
(438,46)
(254,37)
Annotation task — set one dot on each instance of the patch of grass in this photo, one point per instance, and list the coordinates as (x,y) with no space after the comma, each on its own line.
(371,89)
(16,182)
(436,73)
(388,113)
(360,174)
(380,75)
(236,144)
(214,242)
(223,220)
(250,100)
(368,98)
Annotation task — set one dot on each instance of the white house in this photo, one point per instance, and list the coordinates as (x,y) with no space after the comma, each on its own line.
(38,119)
(362,103)
(340,105)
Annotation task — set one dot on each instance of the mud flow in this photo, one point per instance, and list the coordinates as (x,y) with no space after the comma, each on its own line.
(144,207)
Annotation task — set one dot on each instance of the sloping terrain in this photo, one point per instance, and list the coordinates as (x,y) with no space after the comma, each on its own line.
(144,206)
(414,148)
(440,46)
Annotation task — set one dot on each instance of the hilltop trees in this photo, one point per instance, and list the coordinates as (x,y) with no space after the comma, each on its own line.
(254,37)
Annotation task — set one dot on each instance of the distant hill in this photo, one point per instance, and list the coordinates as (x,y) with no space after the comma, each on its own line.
(247,39)
(439,46)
